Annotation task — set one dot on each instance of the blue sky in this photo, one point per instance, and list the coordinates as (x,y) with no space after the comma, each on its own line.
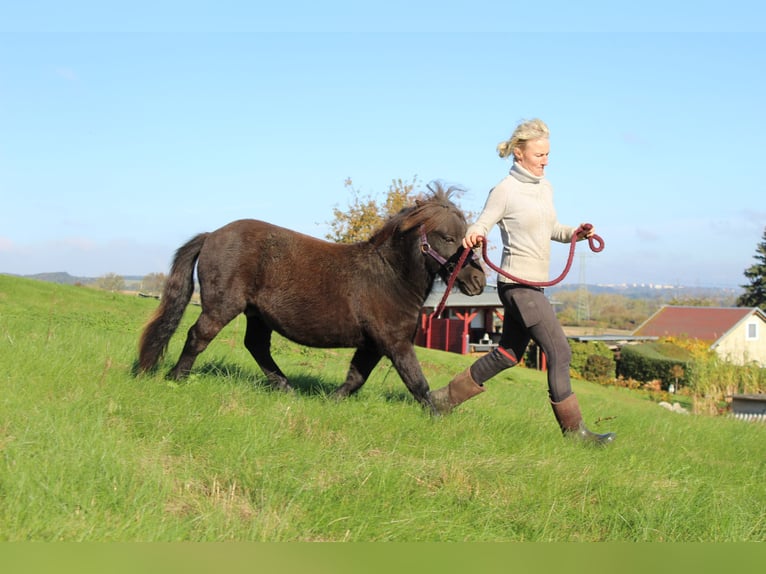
(126,128)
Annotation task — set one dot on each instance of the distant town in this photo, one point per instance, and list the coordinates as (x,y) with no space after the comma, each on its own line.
(133,283)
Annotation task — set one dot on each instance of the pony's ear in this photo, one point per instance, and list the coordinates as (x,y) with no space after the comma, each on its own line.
(419,202)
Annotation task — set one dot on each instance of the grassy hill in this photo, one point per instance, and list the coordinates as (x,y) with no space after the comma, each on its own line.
(90,453)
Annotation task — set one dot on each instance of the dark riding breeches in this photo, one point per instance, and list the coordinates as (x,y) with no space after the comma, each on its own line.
(529,315)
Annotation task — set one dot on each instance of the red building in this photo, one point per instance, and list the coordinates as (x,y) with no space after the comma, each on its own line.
(467,323)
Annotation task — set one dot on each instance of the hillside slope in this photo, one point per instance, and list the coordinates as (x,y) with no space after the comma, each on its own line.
(89,452)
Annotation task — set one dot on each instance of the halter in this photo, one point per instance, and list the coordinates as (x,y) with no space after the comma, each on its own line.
(452,268)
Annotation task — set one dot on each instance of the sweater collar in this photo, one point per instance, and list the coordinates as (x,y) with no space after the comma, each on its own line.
(523,175)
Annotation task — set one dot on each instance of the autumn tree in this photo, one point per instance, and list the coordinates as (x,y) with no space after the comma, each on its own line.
(365,215)
(755,291)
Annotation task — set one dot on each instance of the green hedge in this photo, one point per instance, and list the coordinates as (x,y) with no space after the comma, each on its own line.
(661,361)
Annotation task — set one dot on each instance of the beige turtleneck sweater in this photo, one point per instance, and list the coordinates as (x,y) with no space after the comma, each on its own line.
(522,206)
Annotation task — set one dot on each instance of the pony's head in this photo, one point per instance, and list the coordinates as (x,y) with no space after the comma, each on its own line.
(442,225)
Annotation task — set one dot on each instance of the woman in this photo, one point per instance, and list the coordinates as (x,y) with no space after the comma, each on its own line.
(522,206)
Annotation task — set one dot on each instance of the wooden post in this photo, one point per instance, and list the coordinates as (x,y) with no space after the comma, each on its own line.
(467,318)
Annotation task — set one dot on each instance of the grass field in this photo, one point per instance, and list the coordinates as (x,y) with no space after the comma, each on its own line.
(90,453)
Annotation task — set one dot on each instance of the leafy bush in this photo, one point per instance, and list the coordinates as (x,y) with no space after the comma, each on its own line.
(582,351)
(598,368)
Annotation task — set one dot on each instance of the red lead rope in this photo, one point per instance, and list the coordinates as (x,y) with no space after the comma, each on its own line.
(466,253)
(595,242)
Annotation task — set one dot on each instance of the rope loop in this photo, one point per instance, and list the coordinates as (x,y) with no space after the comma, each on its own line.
(595,242)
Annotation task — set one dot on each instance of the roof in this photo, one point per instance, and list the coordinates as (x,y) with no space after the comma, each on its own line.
(488,298)
(703,323)
(611,338)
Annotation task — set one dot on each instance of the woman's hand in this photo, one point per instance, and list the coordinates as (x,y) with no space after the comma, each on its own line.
(585,230)
(471,240)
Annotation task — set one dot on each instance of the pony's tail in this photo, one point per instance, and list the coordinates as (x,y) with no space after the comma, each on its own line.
(176,295)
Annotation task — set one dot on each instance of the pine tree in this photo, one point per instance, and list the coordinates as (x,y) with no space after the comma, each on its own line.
(755,291)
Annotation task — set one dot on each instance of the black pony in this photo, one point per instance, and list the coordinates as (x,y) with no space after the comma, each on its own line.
(365,295)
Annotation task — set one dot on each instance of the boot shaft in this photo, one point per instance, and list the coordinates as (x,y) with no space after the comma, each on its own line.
(461,388)
(568,415)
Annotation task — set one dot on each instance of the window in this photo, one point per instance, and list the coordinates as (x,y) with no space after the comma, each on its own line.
(752,331)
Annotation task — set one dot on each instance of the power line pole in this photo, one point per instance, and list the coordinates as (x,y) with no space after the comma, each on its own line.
(583,306)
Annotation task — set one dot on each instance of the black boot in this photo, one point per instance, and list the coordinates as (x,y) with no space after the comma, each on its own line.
(568,415)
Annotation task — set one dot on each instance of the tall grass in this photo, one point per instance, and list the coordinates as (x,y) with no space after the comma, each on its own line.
(713,381)
(88,452)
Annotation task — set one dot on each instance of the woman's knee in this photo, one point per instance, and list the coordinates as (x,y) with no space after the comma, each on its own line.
(565,351)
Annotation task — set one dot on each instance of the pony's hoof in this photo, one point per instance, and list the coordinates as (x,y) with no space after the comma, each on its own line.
(282,386)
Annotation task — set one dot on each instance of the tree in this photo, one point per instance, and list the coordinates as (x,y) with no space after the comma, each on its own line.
(755,291)
(111,282)
(365,215)
(153,283)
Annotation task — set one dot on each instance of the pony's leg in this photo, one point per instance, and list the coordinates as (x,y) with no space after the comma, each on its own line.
(198,338)
(258,342)
(362,364)
(407,365)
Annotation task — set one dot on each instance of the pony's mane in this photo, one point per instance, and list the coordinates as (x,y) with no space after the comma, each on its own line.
(430,211)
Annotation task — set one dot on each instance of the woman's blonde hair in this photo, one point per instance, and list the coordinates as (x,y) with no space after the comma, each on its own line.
(526,131)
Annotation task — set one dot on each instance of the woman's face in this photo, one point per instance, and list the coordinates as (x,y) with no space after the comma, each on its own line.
(533,156)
